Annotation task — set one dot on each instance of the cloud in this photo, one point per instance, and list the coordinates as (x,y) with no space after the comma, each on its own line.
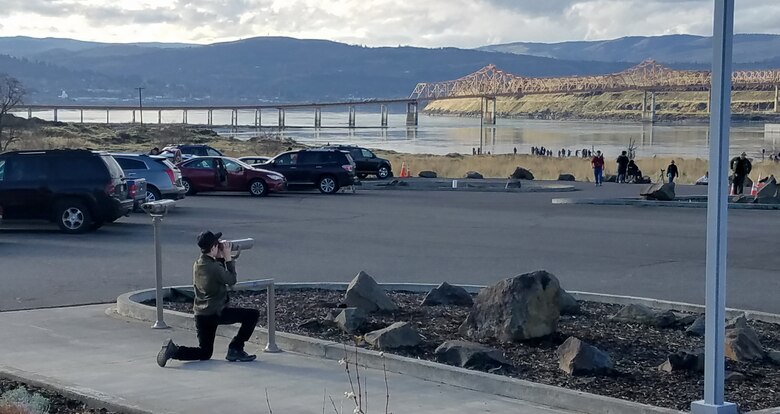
(431,23)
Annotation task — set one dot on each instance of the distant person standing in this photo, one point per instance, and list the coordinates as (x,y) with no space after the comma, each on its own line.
(598,167)
(671,172)
(622,167)
(515,151)
(741,167)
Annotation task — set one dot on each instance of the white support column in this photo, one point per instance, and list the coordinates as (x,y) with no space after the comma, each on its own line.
(717,216)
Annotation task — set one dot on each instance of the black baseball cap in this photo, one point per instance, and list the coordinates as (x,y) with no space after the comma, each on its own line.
(208,239)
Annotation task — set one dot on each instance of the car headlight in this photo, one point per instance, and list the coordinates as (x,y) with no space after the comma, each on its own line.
(276,177)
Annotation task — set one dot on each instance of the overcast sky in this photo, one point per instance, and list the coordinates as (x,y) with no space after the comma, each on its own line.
(429,23)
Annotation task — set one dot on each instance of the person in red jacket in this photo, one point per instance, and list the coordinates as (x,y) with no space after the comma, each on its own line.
(598,167)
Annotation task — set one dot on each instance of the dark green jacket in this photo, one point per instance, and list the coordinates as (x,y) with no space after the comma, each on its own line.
(211,278)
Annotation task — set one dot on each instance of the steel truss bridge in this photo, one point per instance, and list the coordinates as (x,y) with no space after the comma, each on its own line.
(648,76)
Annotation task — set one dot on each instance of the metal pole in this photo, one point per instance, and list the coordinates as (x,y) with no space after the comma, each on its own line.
(717,216)
(271,345)
(140,105)
(160,324)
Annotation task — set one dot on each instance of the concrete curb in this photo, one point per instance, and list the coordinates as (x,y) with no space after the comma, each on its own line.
(647,203)
(88,396)
(128,305)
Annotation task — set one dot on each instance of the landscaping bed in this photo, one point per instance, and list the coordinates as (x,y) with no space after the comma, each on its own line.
(57,403)
(637,350)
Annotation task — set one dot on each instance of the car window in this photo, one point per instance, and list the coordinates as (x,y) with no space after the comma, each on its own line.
(203,164)
(27,168)
(286,159)
(165,163)
(356,153)
(113,167)
(2,169)
(79,168)
(212,152)
(367,153)
(130,164)
(231,166)
(311,158)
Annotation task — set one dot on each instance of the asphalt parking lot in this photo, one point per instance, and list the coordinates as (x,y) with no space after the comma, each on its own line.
(403,236)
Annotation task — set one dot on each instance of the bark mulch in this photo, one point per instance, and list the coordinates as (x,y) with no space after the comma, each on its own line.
(637,350)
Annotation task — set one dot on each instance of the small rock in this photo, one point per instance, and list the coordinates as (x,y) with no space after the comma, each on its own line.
(774,355)
(471,355)
(696,328)
(684,361)
(428,174)
(610,178)
(515,309)
(579,358)
(743,345)
(521,173)
(566,177)
(474,175)
(311,324)
(349,320)
(568,305)
(446,294)
(645,315)
(364,293)
(397,335)
(685,319)
(732,376)
(514,184)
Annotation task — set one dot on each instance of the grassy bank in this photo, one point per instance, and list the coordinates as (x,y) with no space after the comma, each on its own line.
(611,105)
(131,138)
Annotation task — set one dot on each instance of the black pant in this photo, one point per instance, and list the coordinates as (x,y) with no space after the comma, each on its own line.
(739,184)
(207,330)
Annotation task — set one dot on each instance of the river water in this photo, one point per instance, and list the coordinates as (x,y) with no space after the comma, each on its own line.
(446,134)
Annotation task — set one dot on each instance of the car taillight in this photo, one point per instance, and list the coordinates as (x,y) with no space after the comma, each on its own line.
(347,167)
(171,176)
(132,189)
(110,188)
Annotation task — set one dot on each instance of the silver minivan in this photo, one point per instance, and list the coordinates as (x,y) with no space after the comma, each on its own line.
(163,179)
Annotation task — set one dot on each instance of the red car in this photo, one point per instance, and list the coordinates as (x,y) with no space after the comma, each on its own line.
(228,174)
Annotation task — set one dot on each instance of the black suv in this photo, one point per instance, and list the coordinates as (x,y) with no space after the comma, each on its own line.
(78,189)
(366,162)
(326,169)
(192,150)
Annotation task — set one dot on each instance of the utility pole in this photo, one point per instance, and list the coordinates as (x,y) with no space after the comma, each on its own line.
(141,104)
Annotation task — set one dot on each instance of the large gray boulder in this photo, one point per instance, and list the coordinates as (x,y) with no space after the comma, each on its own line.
(768,194)
(742,342)
(428,174)
(521,173)
(474,175)
(566,177)
(579,358)
(568,305)
(446,294)
(515,309)
(365,294)
(774,356)
(659,191)
(684,361)
(397,335)
(471,355)
(637,313)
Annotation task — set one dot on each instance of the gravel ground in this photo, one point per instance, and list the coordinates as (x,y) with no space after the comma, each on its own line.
(636,349)
(58,403)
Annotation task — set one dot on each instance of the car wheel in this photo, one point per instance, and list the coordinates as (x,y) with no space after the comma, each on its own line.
(152,194)
(383,172)
(362,176)
(328,185)
(73,217)
(188,188)
(258,188)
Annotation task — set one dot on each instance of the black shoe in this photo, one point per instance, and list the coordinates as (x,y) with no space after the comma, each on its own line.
(234,355)
(167,352)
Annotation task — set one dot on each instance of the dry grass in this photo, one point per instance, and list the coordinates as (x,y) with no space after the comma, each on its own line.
(12,409)
(501,166)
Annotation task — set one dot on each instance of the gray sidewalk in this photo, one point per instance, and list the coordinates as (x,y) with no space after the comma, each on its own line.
(85,349)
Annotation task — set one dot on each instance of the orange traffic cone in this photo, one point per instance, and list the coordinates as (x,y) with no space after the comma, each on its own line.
(754,189)
(404,171)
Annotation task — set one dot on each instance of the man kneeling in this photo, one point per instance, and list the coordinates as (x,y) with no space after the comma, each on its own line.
(212,273)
